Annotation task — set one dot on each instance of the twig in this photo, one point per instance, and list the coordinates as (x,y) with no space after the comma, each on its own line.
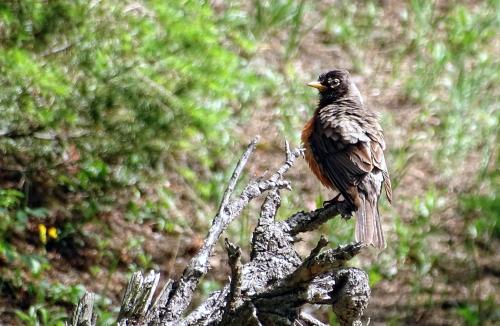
(234,255)
(323,242)
(291,156)
(317,263)
(237,173)
(303,222)
(57,49)
(309,320)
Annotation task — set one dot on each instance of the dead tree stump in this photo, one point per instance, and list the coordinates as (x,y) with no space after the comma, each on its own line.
(271,288)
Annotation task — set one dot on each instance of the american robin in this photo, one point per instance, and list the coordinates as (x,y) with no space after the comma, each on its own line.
(345,150)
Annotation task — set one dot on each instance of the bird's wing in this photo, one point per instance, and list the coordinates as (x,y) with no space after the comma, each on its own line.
(343,151)
(349,146)
(377,146)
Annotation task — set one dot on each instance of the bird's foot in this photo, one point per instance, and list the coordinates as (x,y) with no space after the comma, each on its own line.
(334,201)
(345,210)
(343,206)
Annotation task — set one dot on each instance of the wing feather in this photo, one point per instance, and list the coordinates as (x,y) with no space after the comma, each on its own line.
(344,165)
(347,149)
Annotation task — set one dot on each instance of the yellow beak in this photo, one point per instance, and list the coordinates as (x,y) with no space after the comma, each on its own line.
(317,85)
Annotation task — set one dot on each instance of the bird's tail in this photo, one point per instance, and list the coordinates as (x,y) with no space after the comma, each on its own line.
(368,224)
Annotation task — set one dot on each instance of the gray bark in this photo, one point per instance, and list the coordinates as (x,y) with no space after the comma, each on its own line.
(271,288)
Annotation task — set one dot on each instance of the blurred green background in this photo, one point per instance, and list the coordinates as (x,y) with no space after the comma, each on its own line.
(121,121)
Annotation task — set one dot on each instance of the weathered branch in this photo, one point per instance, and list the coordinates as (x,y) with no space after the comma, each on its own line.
(138,296)
(272,287)
(317,264)
(84,314)
(304,222)
(184,288)
(229,209)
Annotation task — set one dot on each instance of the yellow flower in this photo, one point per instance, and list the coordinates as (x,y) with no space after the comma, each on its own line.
(42,233)
(52,232)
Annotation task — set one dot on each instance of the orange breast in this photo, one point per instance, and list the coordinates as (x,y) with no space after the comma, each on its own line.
(315,167)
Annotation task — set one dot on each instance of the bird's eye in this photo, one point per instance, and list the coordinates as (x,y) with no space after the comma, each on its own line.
(333,82)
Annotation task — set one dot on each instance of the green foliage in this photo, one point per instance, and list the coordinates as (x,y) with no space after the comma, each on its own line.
(483,210)
(345,24)
(271,16)
(453,77)
(487,225)
(113,96)
(274,16)
(97,101)
(40,315)
(479,313)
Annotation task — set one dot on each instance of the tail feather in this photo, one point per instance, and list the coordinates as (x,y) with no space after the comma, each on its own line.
(364,222)
(387,186)
(368,223)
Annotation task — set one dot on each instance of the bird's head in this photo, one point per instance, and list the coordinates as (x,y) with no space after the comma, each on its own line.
(333,85)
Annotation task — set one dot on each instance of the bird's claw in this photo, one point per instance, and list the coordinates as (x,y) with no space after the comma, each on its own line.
(333,201)
(345,210)
(330,202)
(343,207)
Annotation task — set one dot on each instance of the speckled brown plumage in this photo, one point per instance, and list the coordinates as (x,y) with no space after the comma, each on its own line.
(345,150)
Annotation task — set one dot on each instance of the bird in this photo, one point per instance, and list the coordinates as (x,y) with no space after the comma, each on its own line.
(344,147)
